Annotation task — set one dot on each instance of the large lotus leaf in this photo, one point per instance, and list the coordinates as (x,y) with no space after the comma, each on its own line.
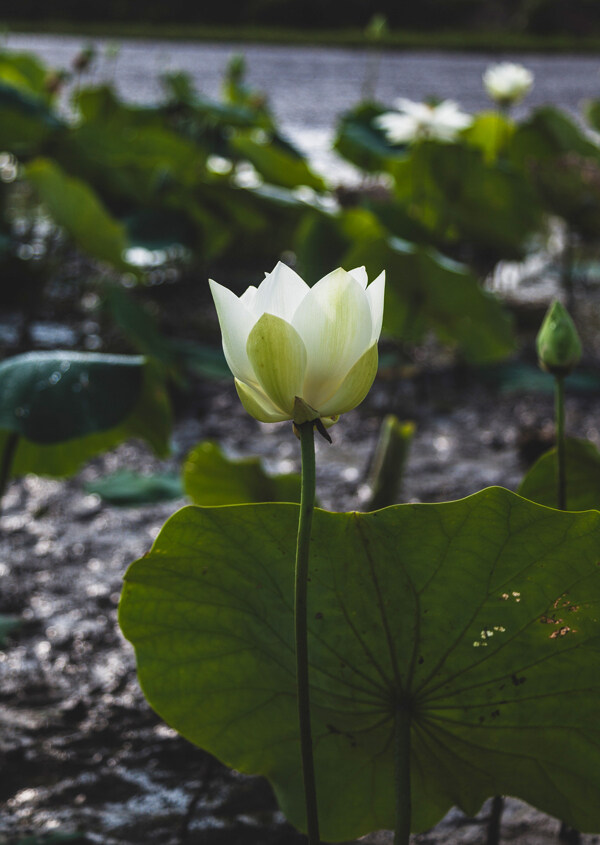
(277,165)
(451,189)
(210,478)
(70,406)
(74,206)
(153,151)
(425,287)
(582,477)
(546,134)
(474,624)
(592,113)
(101,106)
(23,71)
(49,397)
(26,121)
(361,142)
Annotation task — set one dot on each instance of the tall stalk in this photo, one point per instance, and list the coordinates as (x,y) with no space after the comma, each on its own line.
(559,410)
(307,504)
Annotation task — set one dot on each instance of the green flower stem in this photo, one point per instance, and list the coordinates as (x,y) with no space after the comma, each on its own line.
(559,407)
(402,775)
(6,461)
(307,505)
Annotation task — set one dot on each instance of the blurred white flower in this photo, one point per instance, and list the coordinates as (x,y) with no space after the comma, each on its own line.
(507,83)
(419,121)
(300,353)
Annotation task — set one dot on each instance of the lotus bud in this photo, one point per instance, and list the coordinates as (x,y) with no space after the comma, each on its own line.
(300,353)
(558,344)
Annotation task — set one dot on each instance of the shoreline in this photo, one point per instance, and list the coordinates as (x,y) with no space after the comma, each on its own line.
(451,41)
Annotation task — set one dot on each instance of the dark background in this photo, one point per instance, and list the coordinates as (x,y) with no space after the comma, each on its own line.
(537,17)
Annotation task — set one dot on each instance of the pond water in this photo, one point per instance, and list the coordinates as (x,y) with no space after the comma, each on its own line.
(309,87)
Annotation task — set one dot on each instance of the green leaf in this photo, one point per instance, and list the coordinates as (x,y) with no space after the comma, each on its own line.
(132,488)
(144,413)
(549,132)
(101,106)
(459,196)
(49,397)
(476,619)
(210,478)
(592,113)
(583,477)
(74,206)
(174,354)
(23,71)
(361,142)
(275,164)
(425,286)
(140,327)
(25,121)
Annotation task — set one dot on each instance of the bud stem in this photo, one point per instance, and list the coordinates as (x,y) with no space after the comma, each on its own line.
(559,408)
(307,504)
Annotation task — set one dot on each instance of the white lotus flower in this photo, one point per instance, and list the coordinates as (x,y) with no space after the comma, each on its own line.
(507,83)
(419,121)
(300,353)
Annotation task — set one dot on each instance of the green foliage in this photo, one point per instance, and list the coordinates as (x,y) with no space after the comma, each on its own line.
(445,194)
(210,478)
(547,133)
(277,166)
(67,407)
(592,113)
(362,143)
(173,355)
(582,474)
(26,122)
(459,197)
(475,621)
(75,206)
(423,287)
(131,488)
(49,397)
(490,132)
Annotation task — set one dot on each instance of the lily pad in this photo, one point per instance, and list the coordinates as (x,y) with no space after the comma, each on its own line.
(583,477)
(210,478)
(49,397)
(133,488)
(471,626)
(67,406)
